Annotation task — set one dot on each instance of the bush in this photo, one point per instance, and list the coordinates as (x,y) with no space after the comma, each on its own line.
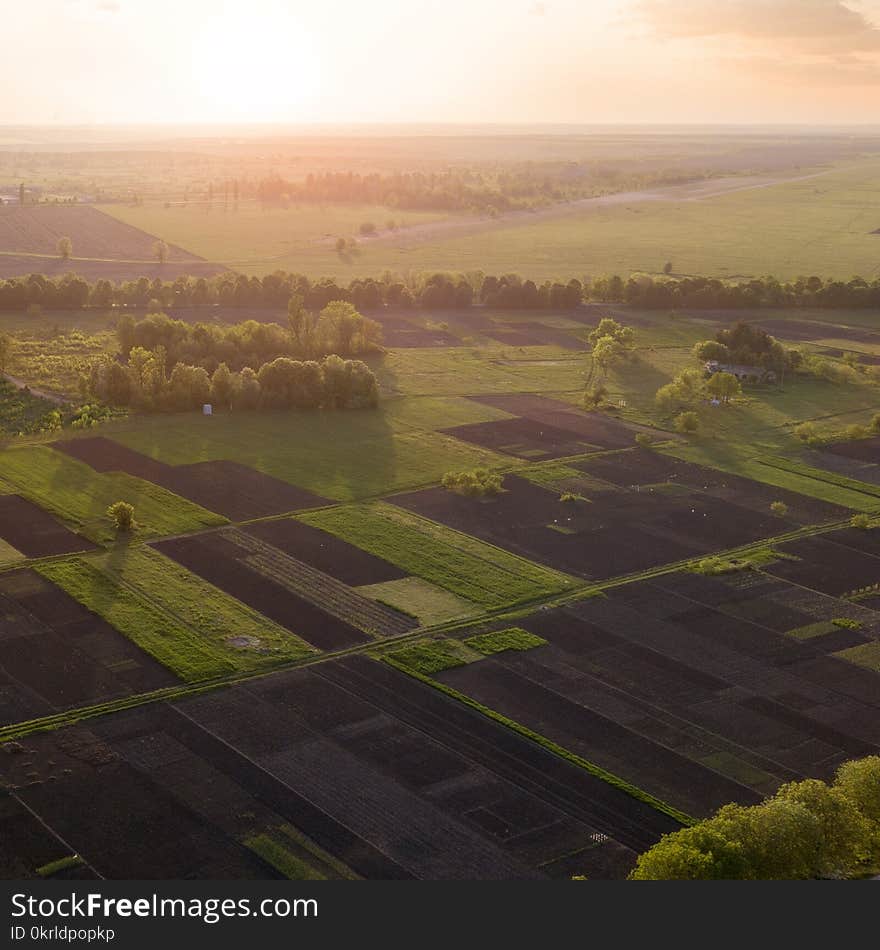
(568,497)
(122,514)
(779,508)
(807,433)
(686,422)
(644,440)
(367,228)
(476,484)
(874,425)
(862,521)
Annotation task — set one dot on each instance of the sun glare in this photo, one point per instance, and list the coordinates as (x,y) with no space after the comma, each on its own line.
(254,71)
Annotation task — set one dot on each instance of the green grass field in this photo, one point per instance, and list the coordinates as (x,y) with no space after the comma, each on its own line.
(818,225)
(177,617)
(259,240)
(339,455)
(77,494)
(415,596)
(478,572)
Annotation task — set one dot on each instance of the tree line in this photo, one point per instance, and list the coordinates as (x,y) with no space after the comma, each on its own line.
(145,384)
(434,291)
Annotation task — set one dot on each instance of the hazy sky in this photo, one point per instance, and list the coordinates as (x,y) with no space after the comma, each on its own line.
(72,61)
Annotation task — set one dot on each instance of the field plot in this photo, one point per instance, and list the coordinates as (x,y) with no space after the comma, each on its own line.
(862,450)
(103,247)
(32,532)
(73,491)
(27,847)
(643,468)
(138,830)
(270,590)
(613,532)
(190,626)
(523,438)
(57,654)
(337,455)
(828,564)
(595,428)
(326,552)
(232,490)
(697,690)
(460,564)
(344,766)
(406,332)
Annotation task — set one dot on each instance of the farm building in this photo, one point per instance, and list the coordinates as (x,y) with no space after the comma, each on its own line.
(745,374)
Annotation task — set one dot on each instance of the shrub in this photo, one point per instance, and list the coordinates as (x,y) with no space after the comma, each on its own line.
(807,433)
(779,508)
(874,425)
(644,440)
(856,432)
(477,483)
(847,623)
(595,395)
(367,228)
(122,514)
(568,497)
(862,521)
(686,422)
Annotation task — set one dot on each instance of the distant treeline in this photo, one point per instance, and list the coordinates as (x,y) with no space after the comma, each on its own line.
(434,291)
(476,189)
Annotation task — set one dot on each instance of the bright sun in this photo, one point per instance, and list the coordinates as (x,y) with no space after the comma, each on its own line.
(254,71)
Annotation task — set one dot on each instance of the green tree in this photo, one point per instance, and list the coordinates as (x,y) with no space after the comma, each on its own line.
(724,386)
(122,515)
(65,248)
(223,383)
(686,422)
(687,388)
(843,834)
(707,350)
(779,508)
(608,352)
(859,781)
(160,251)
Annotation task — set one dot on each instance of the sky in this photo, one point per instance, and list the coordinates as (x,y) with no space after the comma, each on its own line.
(437,61)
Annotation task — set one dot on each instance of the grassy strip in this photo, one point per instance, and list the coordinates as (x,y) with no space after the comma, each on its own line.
(738,462)
(62,864)
(283,860)
(433,656)
(821,474)
(469,568)
(594,770)
(214,614)
(76,493)
(513,638)
(866,655)
(184,651)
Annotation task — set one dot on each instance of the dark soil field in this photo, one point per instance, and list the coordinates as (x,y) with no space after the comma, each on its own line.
(326,552)
(643,467)
(228,488)
(523,438)
(58,655)
(534,334)
(828,566)
(35,532)
(805,330)
(595,428)
(221,563)
(687,687)
(614,533)
(864,450)
(383,773)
